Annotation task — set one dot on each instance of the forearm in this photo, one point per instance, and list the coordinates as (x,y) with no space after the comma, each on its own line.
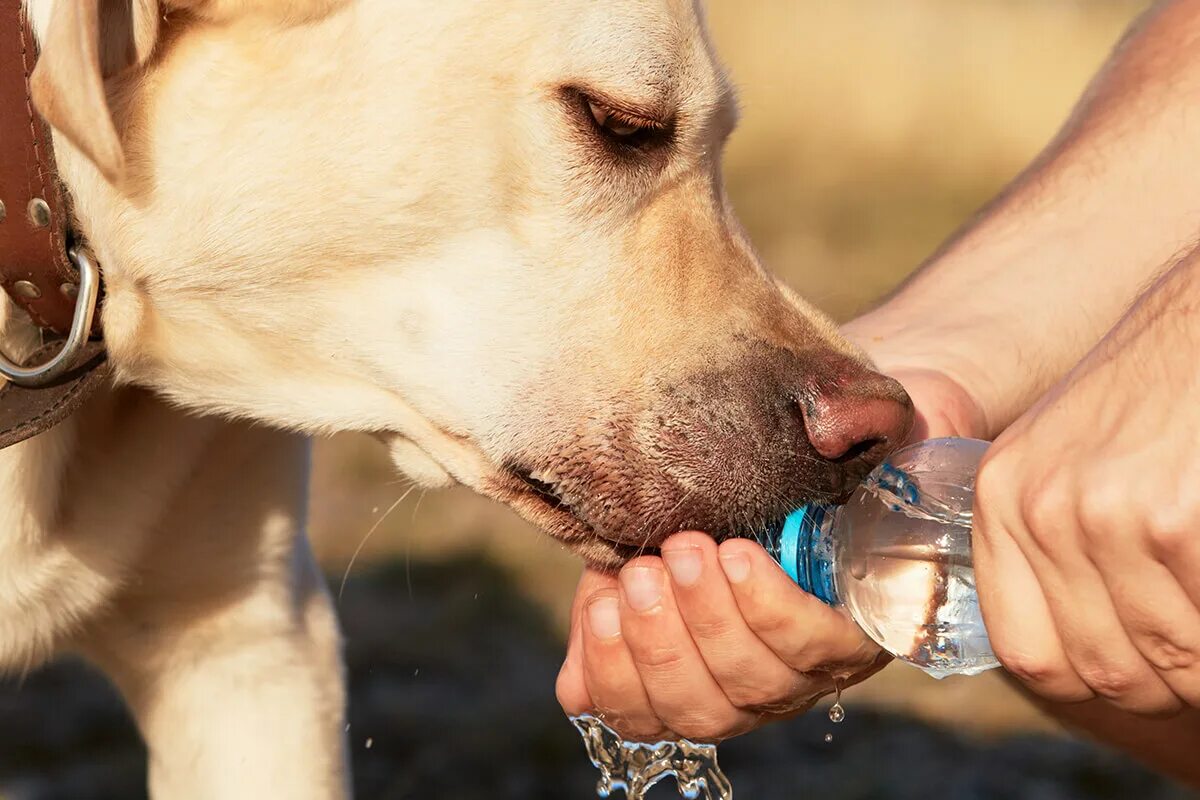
(1022,293)
(1120,425)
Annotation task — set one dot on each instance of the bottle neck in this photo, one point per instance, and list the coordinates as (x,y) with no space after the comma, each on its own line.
(804,548)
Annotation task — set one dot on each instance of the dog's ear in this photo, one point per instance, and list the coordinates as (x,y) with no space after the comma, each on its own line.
(85,41)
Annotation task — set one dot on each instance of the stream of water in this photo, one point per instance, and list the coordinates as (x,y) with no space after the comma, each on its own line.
(635,767)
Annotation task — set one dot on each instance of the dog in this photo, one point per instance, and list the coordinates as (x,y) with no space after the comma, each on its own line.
(494,235)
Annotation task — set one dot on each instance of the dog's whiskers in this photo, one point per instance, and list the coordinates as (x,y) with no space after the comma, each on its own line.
(375,527)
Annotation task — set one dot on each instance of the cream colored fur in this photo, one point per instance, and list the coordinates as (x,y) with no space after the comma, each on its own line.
(327,215)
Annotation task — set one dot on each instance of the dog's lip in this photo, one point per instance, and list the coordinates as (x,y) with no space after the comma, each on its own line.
(539,501)
(508,483)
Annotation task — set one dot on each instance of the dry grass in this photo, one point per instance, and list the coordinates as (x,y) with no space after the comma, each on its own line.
(871,129)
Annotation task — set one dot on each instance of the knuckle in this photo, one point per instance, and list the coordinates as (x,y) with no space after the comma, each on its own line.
(1166,656)
(770,623)
(1028,668)
(1114,683)
(1101,511)
(659,658)
(991,478)
(1044,509)
(1169,529)
(715,628)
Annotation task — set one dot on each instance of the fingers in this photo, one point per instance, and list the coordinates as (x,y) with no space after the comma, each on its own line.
(677,680)
(1018,619)
(1050,616)
(749,674)
(676,648)
(1096,644)
(802,631)
(1050,532)
(1165,629)
(598,675)
(611,674)
(1156,611)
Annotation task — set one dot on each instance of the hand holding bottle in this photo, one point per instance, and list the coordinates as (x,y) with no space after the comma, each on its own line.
(729,648)
(704,642)
(1087,527)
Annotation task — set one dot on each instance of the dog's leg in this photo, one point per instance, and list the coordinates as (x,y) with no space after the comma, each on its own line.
(226,644)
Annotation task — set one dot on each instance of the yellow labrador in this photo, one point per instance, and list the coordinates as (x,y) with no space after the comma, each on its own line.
(492,234)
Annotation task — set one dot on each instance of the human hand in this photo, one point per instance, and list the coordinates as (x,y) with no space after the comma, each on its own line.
(722,654)
(1087,519)
(704,643)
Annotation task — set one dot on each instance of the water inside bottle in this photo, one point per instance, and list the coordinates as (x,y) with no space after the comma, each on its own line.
(635,767)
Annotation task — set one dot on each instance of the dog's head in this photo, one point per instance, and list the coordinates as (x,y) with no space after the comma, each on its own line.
(494,234)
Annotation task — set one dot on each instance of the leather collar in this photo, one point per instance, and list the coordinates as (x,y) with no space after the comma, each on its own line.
(35,234)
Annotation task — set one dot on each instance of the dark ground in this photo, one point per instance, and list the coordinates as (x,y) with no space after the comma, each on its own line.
(452,681)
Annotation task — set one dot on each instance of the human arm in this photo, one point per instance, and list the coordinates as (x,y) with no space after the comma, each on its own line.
(1017,297)
(1087,534)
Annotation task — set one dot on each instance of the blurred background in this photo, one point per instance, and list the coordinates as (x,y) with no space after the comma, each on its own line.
(871,129)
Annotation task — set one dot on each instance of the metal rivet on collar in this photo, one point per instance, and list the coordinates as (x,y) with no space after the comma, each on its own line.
(27,290)
(3,212)
(39,212)
(69,290)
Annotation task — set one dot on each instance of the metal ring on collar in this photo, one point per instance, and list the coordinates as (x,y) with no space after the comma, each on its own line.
(81,328)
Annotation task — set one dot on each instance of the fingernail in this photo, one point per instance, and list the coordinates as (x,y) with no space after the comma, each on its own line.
(604,618)
(685,565)
(736,566)
(642,587)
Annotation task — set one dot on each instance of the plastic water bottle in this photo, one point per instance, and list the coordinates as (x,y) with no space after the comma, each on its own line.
(897,555)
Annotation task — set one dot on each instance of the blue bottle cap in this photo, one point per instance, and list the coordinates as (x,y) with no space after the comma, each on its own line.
(806,551)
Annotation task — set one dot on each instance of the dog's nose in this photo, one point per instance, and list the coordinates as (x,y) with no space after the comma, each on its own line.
(856,415)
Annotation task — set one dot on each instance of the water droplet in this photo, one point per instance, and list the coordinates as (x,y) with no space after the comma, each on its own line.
(828,738)
(836,713)
(370,742)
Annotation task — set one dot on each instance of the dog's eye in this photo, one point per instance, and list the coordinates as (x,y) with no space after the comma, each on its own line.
(623,127)
(614,122)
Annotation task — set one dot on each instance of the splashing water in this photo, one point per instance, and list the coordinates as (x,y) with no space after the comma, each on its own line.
(635,767)
(904,494)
